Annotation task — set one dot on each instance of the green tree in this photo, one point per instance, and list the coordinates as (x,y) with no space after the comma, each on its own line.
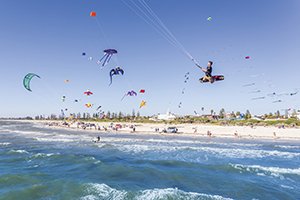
(108,115)
(248,114)
(222,113)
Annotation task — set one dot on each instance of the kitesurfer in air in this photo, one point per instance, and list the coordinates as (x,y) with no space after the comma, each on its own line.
(207,71)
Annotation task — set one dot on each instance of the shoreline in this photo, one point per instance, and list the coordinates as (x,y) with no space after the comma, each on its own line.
(184,130)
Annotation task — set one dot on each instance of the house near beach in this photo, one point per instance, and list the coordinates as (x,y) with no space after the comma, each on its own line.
(167,117)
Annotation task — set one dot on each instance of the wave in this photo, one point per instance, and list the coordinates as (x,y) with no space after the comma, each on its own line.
(21,151)
(44,155)
(96,191)
(5,144)
(273,171)
(287,146)
(216,151)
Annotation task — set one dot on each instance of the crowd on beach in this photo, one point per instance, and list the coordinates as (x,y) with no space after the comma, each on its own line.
(211,131)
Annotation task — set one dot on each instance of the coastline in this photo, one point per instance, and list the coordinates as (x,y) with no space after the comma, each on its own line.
(190,130)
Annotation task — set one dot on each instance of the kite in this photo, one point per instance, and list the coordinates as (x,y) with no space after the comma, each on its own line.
(88,105)
(248,85)
(76,100)
(93,14)
(108,53)
(129,93)
(258,98)
(256,91)
(293,93)
(247,57)
(98,108)
(66,81)
(183,90)
(187,77)
(142,91)
(63,98)
(90,58)
(143,103)
(116,71)
(278,101)
(88,93)
(83,54)
(27,80)
(180,104)
(209,18)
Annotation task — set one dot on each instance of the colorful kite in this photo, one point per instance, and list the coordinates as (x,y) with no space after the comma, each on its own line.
(27,80)
(116,71)
(142,91)
(88,93)
(88,105)
(108,53)
(93,14)
(143,103)
(129,93)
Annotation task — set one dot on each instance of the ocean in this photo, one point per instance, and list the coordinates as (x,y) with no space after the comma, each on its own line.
(39,162)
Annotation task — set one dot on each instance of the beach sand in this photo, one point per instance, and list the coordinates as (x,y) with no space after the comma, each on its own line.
(199,130)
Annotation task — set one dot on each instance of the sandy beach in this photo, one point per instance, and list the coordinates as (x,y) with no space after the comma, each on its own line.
(197,130)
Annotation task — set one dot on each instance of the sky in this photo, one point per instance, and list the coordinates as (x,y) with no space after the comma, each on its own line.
(48,38)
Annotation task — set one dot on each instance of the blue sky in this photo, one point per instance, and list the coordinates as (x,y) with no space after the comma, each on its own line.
(48,37)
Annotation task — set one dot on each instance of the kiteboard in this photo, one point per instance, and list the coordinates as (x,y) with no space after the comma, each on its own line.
(215,78)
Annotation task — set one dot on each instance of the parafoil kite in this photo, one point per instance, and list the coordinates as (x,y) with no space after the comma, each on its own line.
(88,105)
(130,93)
(116,71)
(247,57)
(27,80)
(108,53)
(93,14)
(142,91)
(88,93)
(143,103)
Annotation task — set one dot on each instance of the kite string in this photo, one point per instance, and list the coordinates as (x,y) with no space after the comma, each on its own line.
(149,16)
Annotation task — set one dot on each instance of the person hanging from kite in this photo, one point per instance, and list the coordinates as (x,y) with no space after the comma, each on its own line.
(116,71)
(208,74)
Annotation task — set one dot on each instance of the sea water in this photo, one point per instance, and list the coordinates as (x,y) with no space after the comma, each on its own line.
(38,162)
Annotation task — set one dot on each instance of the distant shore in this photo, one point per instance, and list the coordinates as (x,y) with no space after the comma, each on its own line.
(197,130)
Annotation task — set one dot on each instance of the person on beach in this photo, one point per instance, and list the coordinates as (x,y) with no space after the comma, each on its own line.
(236,134)
(209,134)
